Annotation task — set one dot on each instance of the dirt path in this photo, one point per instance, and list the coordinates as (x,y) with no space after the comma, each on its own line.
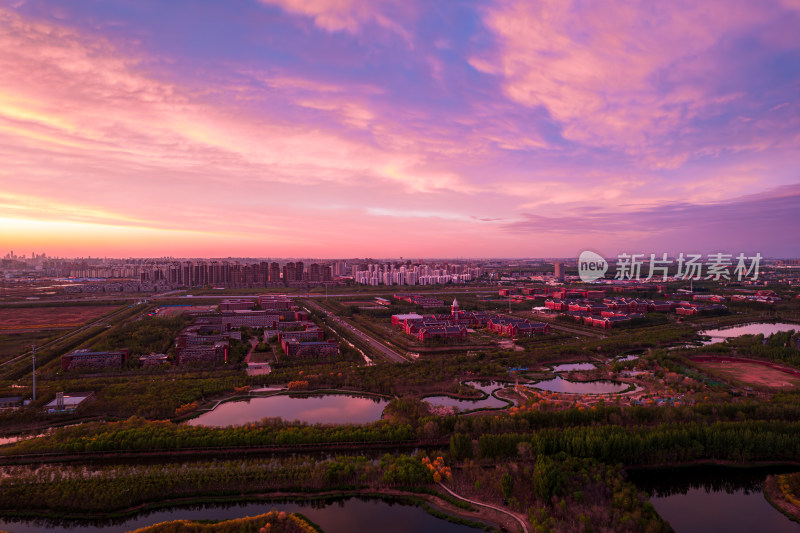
(515,516)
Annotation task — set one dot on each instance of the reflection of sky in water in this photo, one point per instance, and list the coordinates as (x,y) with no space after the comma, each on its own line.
(465,405)
(699,511)
(589,387)
(328,409)
(344,516)
(749,329)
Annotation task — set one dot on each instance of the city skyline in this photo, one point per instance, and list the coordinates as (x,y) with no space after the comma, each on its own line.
(278,128)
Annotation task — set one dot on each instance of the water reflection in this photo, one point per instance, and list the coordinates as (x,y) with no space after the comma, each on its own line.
(333,516)
(713,498)
(312,409)
(718,335)
(487,387)
(465,405)
(559,384)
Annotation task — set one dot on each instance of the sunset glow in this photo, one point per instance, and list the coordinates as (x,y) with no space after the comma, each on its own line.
(361,128)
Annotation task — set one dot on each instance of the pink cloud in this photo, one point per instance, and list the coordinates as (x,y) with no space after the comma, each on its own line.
(351,15)
(569,111)
(600,68)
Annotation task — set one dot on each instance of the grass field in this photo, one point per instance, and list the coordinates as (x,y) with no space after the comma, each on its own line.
(13,344)
(753,374)
(12,320)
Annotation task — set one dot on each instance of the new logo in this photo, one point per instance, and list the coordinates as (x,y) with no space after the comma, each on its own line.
(591,266)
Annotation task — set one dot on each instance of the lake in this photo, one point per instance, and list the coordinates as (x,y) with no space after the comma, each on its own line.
(577,387)
(719,335)
(487,387)
(699,499)
(312,409)
(333,516)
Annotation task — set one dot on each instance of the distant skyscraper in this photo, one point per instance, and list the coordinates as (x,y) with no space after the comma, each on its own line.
(289,272)
(559,271)
(274,272)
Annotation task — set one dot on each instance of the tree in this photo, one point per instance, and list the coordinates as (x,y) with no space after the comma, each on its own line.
(506,485)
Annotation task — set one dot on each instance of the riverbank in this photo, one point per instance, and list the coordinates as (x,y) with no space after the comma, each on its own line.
(775,491)
(433,502)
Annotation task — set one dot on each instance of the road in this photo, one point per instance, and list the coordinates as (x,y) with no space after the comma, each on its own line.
(176,294)
(490,506)
(369,341)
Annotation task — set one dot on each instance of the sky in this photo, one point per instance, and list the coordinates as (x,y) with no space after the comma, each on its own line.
(383,128)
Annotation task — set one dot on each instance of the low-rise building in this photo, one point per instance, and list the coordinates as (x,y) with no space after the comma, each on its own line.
(67,402)
(458,333)
(213,354)
(89,359)
(236,304)
(310,350)
(10,402)
(252,319)
(274,302)
(311,333)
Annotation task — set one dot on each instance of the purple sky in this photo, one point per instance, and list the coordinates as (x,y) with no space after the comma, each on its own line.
(336,128)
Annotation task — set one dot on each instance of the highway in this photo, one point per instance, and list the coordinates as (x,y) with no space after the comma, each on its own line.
(381,348)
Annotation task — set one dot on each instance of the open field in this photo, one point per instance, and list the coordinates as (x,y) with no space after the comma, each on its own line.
(752,373)
(12,320)
(12,344)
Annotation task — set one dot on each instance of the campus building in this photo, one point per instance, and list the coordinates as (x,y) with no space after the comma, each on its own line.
(269,302)
(236,304)
(88,359)
(310,350)
(252,319)
(213,354)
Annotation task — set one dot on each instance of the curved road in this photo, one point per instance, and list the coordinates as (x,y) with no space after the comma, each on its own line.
(516,517)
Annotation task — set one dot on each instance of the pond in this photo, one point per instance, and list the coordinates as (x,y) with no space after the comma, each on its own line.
(632,357)
(713,498)
(333,516)
(719,335)
(486,387)
(312,409)
(569,367)
(580,387)
(466,405)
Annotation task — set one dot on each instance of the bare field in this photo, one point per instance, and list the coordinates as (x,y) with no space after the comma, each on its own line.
(753,374)
(50,317)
